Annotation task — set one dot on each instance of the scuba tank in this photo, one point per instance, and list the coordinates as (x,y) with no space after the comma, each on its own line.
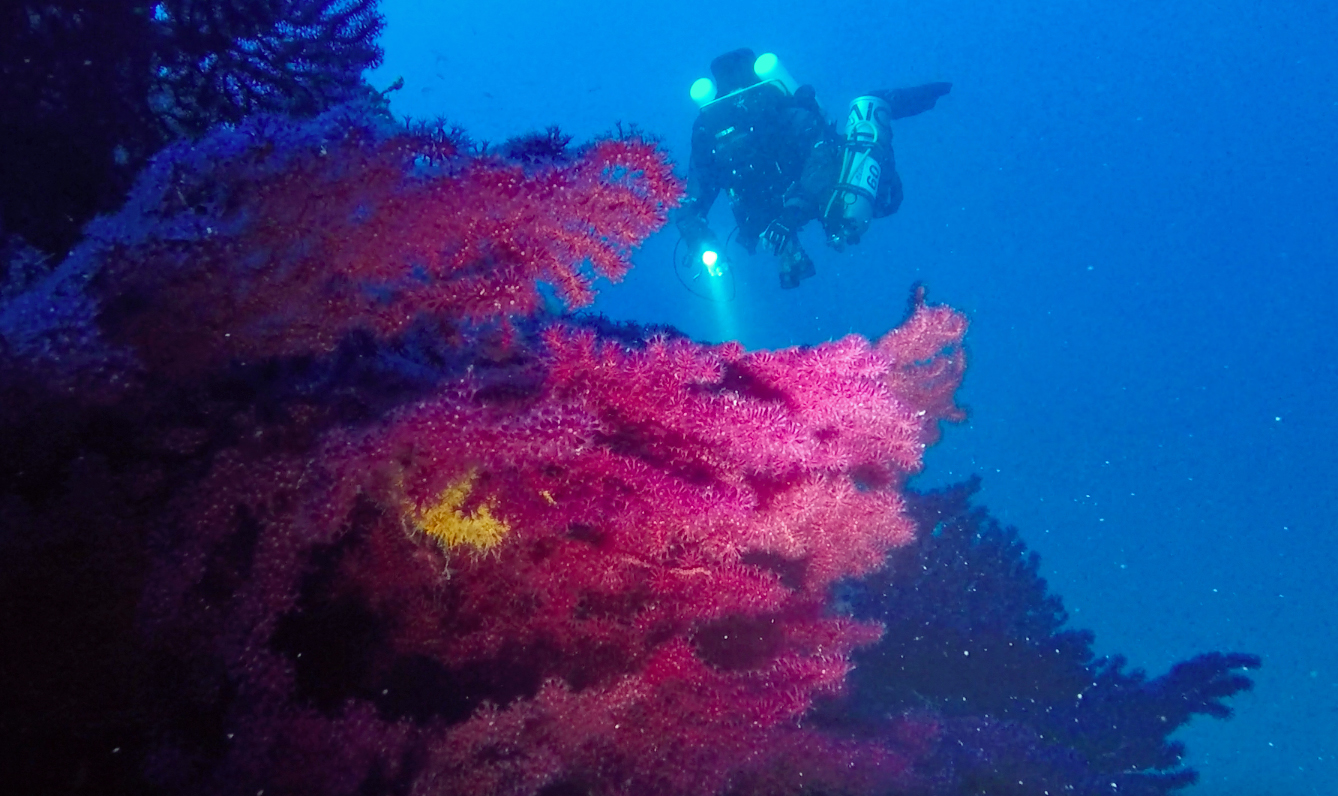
(867,146)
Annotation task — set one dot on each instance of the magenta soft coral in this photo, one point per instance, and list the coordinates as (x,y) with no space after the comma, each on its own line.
(671,542)
(255,246)
(669,517)
(672,535)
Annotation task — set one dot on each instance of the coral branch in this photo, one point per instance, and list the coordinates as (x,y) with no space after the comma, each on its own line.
(374,522)
(277,239)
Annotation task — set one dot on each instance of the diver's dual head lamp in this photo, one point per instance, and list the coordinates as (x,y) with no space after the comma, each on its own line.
(768,69)
(703,91)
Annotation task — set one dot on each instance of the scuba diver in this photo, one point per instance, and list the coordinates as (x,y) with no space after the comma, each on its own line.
(762,139)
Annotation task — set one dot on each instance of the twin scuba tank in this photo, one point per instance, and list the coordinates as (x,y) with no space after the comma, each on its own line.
(868,146)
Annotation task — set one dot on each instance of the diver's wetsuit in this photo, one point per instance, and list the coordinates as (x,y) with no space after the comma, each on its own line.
(754,146)
(778,157)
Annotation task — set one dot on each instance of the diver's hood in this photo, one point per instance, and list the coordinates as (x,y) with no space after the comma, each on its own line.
(733,71)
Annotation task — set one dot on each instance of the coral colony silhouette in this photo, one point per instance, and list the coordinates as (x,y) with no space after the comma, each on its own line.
(306,491)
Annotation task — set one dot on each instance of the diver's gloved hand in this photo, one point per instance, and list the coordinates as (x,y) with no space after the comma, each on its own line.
(795,264)
(776,236)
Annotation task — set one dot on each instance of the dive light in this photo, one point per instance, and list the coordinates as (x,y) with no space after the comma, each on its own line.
(768,69)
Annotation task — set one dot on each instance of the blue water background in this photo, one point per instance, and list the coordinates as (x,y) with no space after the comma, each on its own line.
(1137,205)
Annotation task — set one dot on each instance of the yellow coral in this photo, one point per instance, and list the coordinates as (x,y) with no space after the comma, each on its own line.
(450,526)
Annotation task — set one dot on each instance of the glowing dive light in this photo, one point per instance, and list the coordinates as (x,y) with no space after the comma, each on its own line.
(711,260)
(702,91)
(768,68)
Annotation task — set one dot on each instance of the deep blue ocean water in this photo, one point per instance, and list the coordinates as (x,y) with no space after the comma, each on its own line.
(1137,205)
